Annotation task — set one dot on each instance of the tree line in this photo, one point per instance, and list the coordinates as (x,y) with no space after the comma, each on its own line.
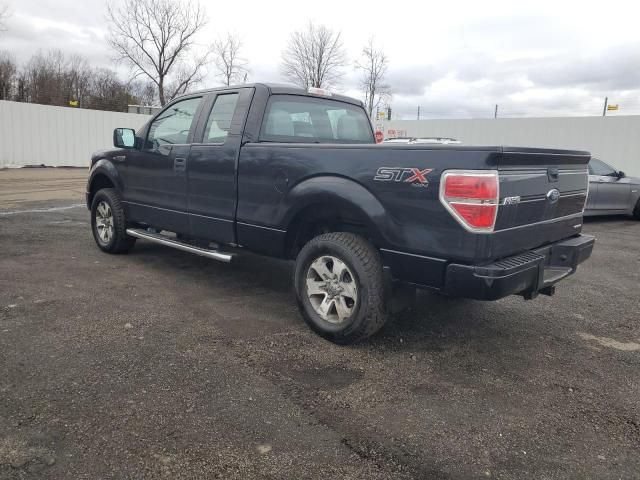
(156,39)
(53,78)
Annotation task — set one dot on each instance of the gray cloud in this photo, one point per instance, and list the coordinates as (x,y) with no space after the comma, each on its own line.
(538,61)
(24,37)
(413,79)
(518,32)
(616,68)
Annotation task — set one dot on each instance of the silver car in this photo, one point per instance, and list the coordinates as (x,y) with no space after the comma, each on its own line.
(611,192)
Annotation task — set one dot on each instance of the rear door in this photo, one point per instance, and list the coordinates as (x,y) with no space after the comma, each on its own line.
(613,194)
(592,198)
(155,176)
(213,164)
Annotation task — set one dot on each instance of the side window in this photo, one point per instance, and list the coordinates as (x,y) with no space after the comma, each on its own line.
(219,121)
(173,124)
(598,167)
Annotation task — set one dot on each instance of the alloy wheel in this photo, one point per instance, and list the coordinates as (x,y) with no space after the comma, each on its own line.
(331,289)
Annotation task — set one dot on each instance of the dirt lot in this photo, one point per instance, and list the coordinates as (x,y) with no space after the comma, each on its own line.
(23,185)
(159,364)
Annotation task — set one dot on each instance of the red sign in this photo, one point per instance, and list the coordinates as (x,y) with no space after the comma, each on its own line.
(379,136)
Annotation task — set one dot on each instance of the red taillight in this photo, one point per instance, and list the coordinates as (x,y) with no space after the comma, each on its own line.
(468,186)
(471,197)
(476,215)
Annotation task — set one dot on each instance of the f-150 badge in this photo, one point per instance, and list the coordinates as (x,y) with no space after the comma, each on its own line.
(414,176)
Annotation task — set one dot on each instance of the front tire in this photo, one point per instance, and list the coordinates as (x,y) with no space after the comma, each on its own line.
(108,222)
(340,288)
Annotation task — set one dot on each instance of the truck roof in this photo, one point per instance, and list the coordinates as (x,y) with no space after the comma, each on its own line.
(280,89)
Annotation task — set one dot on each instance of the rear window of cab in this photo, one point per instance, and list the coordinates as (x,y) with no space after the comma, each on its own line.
(300,119)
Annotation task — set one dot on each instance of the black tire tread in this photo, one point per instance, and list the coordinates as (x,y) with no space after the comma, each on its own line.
(123,242)
(369,257)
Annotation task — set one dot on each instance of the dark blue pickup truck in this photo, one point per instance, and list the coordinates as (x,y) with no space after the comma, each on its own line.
(297,174)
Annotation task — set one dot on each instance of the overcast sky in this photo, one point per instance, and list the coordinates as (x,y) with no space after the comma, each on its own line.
(453,58)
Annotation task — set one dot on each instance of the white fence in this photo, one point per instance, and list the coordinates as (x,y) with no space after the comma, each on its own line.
(58,136)
(616,140)
(33,134)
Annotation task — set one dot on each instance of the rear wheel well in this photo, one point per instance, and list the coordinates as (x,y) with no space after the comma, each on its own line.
(99,182)
(317,219)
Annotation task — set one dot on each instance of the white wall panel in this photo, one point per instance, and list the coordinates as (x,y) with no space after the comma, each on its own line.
(33,134)
(615,140)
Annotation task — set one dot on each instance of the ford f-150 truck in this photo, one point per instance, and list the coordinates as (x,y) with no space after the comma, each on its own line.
(297,174)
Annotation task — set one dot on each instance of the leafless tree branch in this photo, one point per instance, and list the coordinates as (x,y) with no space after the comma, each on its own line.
(8,72)
(4,14)
(373,64)
(314,57)
(230,66)
(157,38)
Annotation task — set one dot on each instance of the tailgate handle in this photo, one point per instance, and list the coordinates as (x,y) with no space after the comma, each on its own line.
(553,174)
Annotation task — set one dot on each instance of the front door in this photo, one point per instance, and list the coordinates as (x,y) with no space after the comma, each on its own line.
(155,176)
(612,192)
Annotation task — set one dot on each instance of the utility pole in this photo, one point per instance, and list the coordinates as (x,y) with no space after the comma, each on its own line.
(418,112)
(604,110)
(495,112)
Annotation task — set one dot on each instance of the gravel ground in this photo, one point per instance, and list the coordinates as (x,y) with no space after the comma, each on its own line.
(159,364)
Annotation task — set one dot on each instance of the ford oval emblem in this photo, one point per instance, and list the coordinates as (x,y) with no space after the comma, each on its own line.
(553,195)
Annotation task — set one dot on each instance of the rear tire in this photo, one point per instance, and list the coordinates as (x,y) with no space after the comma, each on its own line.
(340,288)
(636,211)
(108,222)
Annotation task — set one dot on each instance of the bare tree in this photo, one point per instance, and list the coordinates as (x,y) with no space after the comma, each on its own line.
(8,76)
(314,57)
(108,92)
(76,80)
(43,78)
(157,38)
(52,78)
(144,92)
(231,67)
(4,14)
(373,63)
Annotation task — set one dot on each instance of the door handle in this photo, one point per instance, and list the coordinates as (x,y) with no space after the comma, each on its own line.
(179,164)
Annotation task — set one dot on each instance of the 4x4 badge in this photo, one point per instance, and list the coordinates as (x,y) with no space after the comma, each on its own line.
(414,176)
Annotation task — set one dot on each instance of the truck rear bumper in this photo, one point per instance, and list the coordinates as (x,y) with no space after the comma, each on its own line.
(528,274)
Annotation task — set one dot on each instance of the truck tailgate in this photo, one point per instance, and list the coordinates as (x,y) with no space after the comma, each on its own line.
(542,196)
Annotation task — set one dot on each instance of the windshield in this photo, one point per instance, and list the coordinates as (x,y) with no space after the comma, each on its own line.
(292,118)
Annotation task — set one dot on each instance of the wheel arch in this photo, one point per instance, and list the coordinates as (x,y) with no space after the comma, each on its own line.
(331,204)
(103,175)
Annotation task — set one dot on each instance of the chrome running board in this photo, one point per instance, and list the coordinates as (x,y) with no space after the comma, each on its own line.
(185,247)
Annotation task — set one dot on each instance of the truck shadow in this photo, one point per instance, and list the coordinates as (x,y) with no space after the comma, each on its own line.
(458,338)
(261,287)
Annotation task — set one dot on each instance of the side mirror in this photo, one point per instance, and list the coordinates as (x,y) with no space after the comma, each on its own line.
(621,174)
(124,138)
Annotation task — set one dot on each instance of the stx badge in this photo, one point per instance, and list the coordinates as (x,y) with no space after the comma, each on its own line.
(414,176)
